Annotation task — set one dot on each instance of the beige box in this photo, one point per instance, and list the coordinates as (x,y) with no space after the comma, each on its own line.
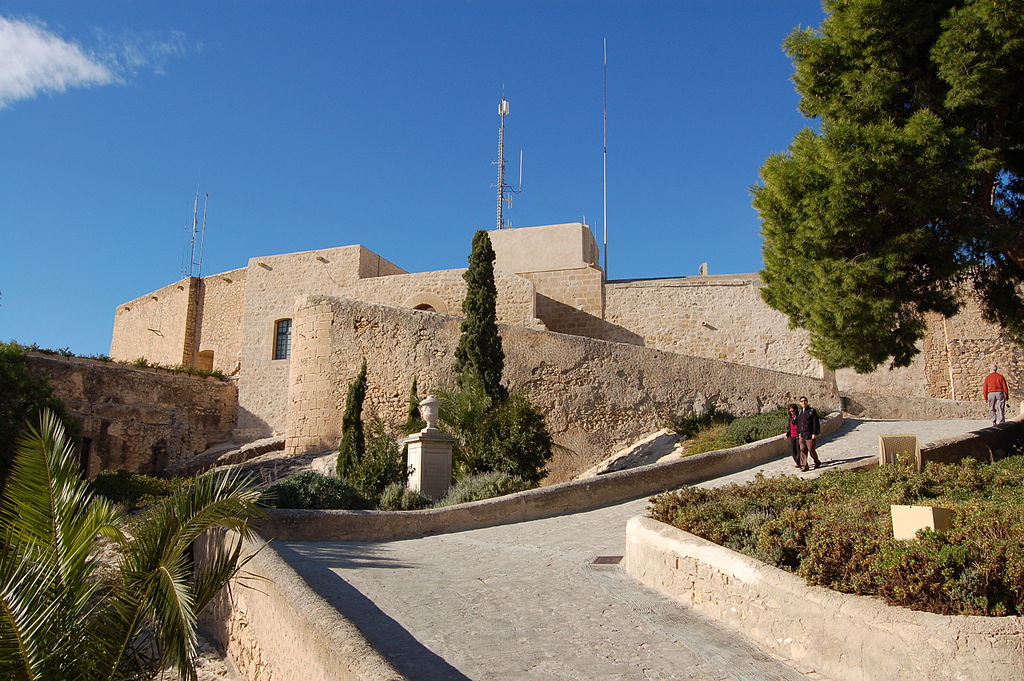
(889,446)
(907,520)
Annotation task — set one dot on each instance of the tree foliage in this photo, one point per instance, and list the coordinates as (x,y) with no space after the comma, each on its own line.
(87,592)
(479,350)
(21,397)
(353,441)
(911,195)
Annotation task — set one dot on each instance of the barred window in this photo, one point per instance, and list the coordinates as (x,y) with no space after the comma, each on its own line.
(283,339)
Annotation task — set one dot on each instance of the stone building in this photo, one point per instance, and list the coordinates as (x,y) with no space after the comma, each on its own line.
(244,323)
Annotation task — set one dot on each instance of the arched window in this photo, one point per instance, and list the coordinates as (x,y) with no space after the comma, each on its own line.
(283,339)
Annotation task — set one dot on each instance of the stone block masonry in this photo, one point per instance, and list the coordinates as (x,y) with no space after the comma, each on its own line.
(139,420)
(596,396)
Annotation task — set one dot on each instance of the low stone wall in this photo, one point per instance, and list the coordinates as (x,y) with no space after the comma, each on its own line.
(985,445)
(274,626)
(139,420)
(841,636)
(874,406)
(554,500)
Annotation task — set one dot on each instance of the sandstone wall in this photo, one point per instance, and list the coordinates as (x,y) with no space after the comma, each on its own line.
(219,322)
(444,291)
(597,396)
(714,316)
(956,354)
(571,301)
(139,420)
(272,285)
(157,326)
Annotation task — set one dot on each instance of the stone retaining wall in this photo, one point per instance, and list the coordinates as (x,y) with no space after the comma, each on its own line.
(554,500)
(596,396)
(135,419)
(841,636)
(873,406)
(272,625)
(985,445)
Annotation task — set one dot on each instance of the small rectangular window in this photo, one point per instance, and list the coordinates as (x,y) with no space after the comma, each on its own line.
(283,339)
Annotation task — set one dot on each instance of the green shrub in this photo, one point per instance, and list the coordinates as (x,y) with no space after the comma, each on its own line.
(693,422)
(310,489)
(381,465)
(836,531)
(22,396)
(759,427)
(509,436)
(130,489)
(483,486)
(398,497)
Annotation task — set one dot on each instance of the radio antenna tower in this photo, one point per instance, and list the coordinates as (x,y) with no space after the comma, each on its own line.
(197,233)
(505,191)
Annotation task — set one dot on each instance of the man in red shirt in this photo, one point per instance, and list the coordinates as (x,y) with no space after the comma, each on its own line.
(996,393)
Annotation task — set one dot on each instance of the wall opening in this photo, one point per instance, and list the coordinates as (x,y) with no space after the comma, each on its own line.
(427,302)
(283,339)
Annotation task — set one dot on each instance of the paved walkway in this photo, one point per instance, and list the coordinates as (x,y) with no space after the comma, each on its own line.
(526,602)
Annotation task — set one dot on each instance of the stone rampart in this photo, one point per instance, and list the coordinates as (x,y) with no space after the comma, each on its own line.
(219,321)
(841,636)
(155,326)
(873,406)
(139,420)
(715,316)
(596,396)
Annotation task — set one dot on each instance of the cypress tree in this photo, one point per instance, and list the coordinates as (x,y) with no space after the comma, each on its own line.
(479,350)
(413,422)
(353,441)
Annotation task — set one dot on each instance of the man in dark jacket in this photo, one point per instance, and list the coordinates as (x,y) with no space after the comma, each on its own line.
(809,426)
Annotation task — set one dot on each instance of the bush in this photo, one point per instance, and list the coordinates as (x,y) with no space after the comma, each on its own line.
(381,465)
(22,397)
(398,497)
(483,486)
(754,428)
(509,436)
(310,489)
(130,489)
(836,531)
(693,422)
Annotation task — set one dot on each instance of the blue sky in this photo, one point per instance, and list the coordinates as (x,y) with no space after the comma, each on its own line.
(320,124)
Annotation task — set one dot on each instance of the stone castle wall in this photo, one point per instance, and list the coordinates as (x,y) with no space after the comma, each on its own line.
(154,326)
(139,420)
(718,317)
(596,396)
(219,320)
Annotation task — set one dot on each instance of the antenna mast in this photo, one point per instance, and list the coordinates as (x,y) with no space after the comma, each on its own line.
(197,232)
(505,191)
(604,143)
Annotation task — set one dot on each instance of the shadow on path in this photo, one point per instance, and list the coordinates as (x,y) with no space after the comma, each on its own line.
(410,657)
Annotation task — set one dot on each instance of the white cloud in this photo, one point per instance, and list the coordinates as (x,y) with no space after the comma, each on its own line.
(34,60)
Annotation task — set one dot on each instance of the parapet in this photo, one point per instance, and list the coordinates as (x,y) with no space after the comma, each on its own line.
(547,247)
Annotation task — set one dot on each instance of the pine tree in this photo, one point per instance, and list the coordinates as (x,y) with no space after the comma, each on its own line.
(912,192)
(353,440)
(479,350)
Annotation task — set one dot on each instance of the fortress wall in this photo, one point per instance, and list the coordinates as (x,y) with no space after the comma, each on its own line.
(717,317)
(597,396)
(272,285)
(444,290)
(219,325)
(156,326)
(571,301)
(956,355)
(139,420)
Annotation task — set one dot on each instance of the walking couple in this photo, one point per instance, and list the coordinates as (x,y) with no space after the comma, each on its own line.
(803,431)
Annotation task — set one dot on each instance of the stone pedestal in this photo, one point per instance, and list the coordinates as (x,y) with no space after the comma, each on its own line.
(430,462)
